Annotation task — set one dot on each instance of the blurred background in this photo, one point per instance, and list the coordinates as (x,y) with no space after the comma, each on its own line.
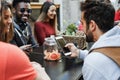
(67,11)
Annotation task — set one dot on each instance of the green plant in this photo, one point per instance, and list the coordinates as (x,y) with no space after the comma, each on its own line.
(71,29)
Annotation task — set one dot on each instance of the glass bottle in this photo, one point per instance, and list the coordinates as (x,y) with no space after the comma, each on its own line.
(50,49)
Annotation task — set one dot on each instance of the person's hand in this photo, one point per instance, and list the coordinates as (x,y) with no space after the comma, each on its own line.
(73,49)
(26,48)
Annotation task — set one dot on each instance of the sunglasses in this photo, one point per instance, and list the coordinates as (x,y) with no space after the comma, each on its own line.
(22,10)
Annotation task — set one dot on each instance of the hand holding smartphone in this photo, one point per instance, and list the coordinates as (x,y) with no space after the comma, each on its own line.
(61,44)
(66,51)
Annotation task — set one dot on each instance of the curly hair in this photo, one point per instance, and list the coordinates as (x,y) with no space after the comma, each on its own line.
(15,2)
(102,13)
(106,1)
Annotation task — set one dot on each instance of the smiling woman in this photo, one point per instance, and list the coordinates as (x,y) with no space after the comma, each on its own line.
(6,27)
(46,23)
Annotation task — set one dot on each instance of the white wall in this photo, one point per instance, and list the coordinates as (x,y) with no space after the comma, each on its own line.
(61,12)
(71,12)
(115,4)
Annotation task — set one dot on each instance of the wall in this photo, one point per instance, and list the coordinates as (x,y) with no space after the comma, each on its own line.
(115,4)
(71,12)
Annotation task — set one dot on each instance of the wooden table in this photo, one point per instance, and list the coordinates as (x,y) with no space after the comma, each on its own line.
(64,69)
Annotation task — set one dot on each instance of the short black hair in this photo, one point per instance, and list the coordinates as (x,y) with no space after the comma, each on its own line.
(101,12)
(15,2)
(106,1)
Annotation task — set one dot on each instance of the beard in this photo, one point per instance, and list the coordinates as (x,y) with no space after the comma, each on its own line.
(89,36)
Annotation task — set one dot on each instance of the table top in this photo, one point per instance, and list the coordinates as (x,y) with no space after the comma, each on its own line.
(64,69)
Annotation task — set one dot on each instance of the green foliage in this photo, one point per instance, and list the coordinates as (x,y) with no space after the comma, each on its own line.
(71,29)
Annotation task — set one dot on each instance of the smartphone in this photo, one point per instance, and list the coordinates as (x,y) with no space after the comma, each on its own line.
(36,45)
(28,49)
(61,44)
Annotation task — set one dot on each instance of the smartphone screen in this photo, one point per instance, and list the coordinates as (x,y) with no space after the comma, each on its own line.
(61,44)
(65,49)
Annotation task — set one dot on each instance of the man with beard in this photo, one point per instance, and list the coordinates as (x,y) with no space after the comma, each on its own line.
(23,37)
(102,61)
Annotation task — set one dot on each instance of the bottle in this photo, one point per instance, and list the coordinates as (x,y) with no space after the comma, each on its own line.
(50,49)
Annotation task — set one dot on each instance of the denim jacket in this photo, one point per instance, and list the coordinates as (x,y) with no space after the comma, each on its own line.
(23,36)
